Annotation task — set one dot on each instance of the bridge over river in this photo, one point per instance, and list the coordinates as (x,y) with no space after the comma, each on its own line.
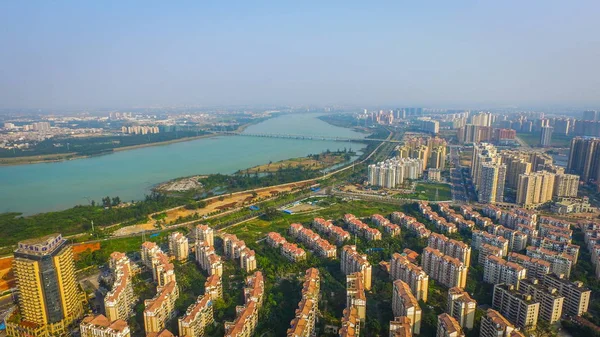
(306,137)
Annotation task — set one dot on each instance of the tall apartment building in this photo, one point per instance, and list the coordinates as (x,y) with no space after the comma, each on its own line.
(402,269)
(205,233)
(149,250)
(482,153)
(236,249)
(491,189)
(577,296)
(461,307)
(535,188)
(480,237)
(551,302)
(584,158)
(49,296)
(559,262)
(303,324)
(394,172)
(445,269)
(247,315)
(518,308)
(488,250)
(208,259)
(448,327)
(197,317)
(214,287)
(517,240)
(404,303)
(493,324)
(454,248)
(161,308)
(355,294)
(179,246)
(350,326)
(352,261)
(566,185)
(401,327)
(536,268)
(120,300)
(498,270)
(546,136)
(100,326)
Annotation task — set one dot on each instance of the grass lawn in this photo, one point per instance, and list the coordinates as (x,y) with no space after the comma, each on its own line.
(426,191)
(256,229)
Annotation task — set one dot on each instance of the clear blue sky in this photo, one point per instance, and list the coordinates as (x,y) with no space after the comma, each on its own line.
(94,54)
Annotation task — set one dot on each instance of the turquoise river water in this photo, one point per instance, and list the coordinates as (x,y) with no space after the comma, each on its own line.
(131,174)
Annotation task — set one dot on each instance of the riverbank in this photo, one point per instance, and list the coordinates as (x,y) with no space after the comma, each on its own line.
(52,158)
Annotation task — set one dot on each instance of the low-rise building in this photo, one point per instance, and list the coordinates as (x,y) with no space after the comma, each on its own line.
(404,303)
(311,239)
(327,227)
(361,229)
(388,227)
(290,251)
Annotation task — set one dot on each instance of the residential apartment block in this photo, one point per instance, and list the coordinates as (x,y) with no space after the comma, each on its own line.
(388,227)
(536,268)
(303,324)
(551,302)
(326,227)
(493,324)
(448,327)
(350,326)
(361,229)
(100,326)
(289,250)
(120,300)
(311,239)
(205,233)
(497,270)
(247,315)
(402,269)
(208,259)
(197,317)
(480,237)
(236,249)
(179,246)
(352,261)
(560,263)
(401,327)
(355,294)
(461,307)
(577,296)
(456,249)
(161,308)
(445,269)
(517,240)
(404,303)
(411,224)
(518,308)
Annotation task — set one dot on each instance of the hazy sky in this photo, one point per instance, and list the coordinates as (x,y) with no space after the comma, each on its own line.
(94,54)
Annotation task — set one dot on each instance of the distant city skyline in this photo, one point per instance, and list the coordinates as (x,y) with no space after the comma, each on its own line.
(447,54)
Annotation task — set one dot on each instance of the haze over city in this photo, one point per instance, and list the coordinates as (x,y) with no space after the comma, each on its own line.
(87,55)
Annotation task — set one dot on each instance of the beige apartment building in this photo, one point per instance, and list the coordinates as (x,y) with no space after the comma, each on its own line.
(448,327)
(404,303)
(402,269)
(551,302)
(401,327)
(493,324)
(179,246)
(355,294)
(247,315)
(303,324)
(205,233)
(445,269)
(577,296)
(352,261)
(120,300)
(497,270)
(161,308)
(100,326)
(197,317)
(461,307)
(520,309)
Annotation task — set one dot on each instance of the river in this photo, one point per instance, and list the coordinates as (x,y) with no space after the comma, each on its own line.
(131,174)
